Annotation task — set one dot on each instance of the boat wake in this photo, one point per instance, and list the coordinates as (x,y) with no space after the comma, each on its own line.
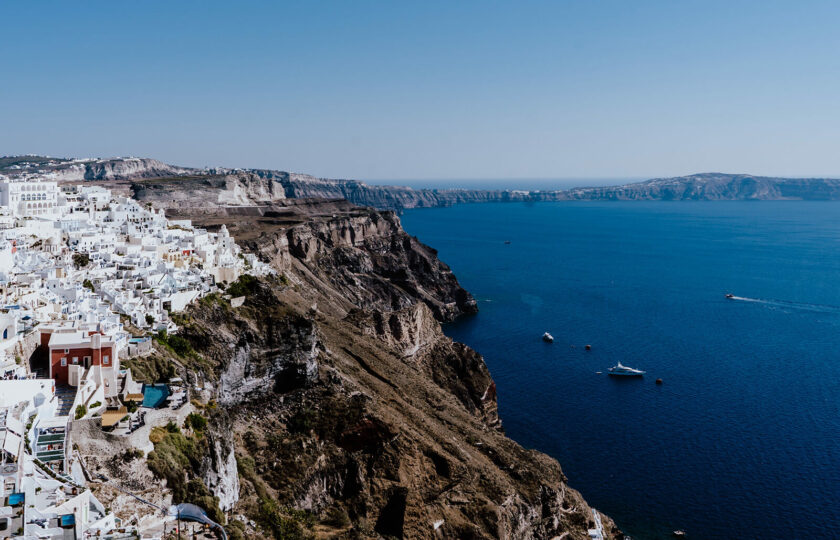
(787,304)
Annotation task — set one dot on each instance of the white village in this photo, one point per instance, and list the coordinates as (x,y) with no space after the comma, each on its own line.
(87,281)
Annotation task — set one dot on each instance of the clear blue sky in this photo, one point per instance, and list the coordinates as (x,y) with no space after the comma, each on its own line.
(575,89)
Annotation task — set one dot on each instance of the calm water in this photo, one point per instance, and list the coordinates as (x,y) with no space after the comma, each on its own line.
(743,438)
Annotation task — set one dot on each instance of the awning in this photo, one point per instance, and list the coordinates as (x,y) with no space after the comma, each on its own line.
(11,444)
(111,418)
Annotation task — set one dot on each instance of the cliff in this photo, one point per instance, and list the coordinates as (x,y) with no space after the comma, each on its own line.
(348,412)
(250,188)
(716,187)
(74,170)
(170,186)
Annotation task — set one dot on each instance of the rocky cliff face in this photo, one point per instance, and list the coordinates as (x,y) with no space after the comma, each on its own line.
(342,397)
(258,188)
(208,191)
(218,468)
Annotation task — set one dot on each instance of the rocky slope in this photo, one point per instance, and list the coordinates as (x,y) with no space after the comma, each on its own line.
(347,411)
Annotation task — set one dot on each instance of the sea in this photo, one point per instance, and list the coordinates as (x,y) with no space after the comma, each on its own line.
(742,438)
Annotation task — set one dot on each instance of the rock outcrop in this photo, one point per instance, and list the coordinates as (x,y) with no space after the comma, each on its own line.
(219,469)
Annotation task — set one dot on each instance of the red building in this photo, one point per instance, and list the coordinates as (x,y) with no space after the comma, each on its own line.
(82,349)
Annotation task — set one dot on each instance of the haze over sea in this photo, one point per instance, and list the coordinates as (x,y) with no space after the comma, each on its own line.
(743,438)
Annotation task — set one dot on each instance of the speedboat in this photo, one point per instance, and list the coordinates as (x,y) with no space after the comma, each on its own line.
(548,338)
(624,371)
(729,295)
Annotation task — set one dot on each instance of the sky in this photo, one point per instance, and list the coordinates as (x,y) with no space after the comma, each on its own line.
(429,90)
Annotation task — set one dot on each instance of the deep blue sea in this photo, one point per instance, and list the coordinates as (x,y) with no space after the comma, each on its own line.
(743,438)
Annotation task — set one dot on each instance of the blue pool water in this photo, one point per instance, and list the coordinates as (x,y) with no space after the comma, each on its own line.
(743,438)
(154,395)
(16,498)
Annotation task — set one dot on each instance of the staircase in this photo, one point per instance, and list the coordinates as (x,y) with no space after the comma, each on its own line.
(66,395)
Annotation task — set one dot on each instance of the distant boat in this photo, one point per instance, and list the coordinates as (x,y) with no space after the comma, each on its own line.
(730,295)
(680,533)
(507,241)
(548,338)
(624,371)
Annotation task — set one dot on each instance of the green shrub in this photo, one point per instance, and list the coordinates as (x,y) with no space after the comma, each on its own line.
(196,422)
(149,319)
(80,260)
(150,369)
(131,454)
(176,344)
(88,284)
(286,523)
(337,517)
(81,411)
(176,454)
(244,286)
(95,405)
(173,455)
(303,421)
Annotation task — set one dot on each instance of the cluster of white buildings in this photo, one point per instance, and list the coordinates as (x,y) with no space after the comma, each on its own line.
(76,265)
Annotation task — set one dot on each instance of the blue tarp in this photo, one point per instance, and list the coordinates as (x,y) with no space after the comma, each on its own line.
(191,512)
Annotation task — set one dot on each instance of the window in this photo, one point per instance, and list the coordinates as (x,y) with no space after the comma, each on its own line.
(75,360)
(105,359)
(63,361)
(66,351)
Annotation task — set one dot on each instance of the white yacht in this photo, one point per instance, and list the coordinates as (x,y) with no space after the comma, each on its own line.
(624,371)
(548,338)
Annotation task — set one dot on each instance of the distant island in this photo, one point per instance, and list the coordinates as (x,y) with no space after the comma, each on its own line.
(149,178)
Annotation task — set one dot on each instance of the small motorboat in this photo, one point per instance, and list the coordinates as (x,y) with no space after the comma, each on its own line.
(548,338)
(680,533)
(620,370)
(729,296)
(507,241)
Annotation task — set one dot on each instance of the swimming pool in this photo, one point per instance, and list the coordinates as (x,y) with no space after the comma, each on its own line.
(154,395)
(15,499)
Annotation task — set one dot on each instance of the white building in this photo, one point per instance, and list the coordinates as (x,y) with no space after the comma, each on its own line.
(30,198)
